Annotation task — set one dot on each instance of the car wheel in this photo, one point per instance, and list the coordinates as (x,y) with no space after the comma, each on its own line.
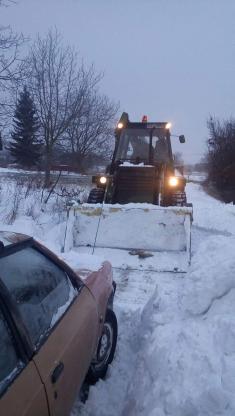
(106,349)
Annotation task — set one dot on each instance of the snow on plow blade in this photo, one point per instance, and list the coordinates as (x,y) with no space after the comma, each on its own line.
(135,236)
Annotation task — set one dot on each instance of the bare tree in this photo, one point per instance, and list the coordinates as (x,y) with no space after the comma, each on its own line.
(58,86)
(91,131)
(221,154)
(6,2)
(11,64)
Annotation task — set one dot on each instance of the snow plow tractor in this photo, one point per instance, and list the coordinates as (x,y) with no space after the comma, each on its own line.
(138,213)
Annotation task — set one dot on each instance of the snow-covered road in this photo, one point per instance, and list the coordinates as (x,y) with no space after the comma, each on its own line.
(176,346)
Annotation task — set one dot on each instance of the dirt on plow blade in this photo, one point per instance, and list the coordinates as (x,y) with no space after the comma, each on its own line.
(134,236)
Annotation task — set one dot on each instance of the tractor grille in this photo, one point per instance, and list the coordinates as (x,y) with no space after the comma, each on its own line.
(136,184)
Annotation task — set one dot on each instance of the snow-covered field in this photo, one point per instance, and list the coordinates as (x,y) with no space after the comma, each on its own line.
(176,344)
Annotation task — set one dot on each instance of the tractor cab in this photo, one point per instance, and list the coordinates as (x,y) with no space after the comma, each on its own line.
(141,143)
(142,167)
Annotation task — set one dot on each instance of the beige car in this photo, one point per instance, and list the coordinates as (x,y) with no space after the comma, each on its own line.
(56,330)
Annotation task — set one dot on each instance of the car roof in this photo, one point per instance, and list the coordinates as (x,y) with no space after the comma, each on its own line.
(9,238)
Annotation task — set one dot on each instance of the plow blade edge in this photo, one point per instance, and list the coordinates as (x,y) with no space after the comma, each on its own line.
(135,236)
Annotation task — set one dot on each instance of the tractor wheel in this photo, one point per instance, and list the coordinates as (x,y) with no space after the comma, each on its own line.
(106,349)
(96,196)
(179,199)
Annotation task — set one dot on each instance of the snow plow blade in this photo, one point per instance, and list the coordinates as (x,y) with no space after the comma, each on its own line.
(134,236)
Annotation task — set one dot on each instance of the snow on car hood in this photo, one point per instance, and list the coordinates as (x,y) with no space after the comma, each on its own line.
(83,264)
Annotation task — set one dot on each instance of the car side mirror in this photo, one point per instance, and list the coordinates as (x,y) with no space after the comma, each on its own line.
(182,138)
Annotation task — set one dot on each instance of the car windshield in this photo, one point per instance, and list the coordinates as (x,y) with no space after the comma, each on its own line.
(40,288)
(134,146)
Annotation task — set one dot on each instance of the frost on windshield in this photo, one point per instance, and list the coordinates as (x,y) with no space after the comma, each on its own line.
(8,379)
(40,288)
(10,364)
(61,310)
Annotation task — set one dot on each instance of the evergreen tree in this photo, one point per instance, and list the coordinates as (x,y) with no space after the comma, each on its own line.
(25,146)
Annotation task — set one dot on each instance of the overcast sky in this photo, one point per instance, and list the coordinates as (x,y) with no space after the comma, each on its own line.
(173,60)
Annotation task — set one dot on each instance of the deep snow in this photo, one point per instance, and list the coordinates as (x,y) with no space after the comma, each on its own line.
(176,347)
(176,344)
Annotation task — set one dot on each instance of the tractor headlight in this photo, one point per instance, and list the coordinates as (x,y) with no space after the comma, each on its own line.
(173,181)
(168,126)
(120,125)
(103,180)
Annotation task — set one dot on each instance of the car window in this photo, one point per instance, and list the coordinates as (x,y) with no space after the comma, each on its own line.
(10,364)
(41,289)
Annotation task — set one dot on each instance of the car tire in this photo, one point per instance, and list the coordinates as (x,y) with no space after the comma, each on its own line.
(96,196)
(106,349)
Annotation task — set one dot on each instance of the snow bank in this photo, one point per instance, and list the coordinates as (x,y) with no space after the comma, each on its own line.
(186,363)
(179,371)
(210,213)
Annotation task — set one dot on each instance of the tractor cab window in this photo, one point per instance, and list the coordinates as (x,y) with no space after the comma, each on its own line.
(133,145)
(160,147)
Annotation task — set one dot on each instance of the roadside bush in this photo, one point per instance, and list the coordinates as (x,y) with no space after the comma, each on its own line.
(221,157)
(27,196)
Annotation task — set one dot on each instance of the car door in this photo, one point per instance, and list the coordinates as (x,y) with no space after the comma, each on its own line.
(62,322)
(21,389)
(64,359)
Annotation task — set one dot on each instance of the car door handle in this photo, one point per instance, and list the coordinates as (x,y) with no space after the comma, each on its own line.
(57,372)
